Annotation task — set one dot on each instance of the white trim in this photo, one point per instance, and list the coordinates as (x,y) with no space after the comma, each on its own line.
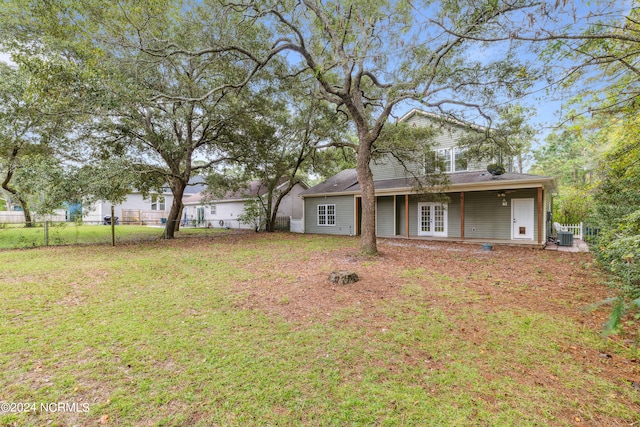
(432,209)
(326,214)
(529,234)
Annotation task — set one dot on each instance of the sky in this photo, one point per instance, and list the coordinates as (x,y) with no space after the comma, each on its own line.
(5,58)
(547,109)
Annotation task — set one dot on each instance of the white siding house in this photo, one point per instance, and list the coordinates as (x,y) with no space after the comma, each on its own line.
(224,212)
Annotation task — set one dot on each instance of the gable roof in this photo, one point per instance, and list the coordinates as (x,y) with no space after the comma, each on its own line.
(346,182)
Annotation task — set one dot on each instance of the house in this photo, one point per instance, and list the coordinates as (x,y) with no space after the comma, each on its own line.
(224,212)
(138,209)
(135,209)
(511,207)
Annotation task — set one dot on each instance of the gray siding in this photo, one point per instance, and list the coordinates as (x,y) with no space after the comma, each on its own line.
(453,212)
(447,136)
(344,215)
(486,218)
(384,217)
(388,167)
(400,216)
(413,215)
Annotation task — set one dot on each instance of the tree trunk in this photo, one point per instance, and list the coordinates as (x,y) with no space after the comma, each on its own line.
(28,222)
(274,214)
(368,244)
(177,189)
(177,227)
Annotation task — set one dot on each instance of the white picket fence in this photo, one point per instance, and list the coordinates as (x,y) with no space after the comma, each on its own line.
(576,229)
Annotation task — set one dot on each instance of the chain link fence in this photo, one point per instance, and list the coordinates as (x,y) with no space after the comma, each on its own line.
(57,233)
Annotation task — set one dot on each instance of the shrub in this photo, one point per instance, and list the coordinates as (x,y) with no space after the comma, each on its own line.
(619,252)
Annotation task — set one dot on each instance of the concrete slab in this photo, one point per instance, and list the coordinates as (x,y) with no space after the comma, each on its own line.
(578,246)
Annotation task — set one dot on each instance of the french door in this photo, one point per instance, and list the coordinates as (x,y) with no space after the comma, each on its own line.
(432,219)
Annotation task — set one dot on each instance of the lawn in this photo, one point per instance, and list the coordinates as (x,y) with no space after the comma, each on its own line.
(69,233)
(245,329)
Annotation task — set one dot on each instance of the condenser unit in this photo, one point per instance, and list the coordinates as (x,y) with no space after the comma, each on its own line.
(565,238)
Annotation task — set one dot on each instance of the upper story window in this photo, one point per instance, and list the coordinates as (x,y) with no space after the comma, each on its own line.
(460,161)
(450,160)
(157,202)
(444,158)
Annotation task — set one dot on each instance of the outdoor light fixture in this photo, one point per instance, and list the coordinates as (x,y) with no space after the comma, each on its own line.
(501,194)
(504,202)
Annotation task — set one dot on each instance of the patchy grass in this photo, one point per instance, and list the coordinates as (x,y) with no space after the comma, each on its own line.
(246,330)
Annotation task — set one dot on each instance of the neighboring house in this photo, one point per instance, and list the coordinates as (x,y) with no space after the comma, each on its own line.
(509,207)
(138,209)
(224,212)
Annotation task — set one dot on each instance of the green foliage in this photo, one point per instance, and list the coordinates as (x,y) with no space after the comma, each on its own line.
(507,142)
(621,256)
(572,206)
(253,214)
(153,102)
(42,182)
(570,156)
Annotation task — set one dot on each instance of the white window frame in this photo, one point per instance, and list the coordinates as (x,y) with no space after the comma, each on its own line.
(432,206)
(447,156)
(444,155)
(325,217)
(158,202)
(213,210)
(457,151)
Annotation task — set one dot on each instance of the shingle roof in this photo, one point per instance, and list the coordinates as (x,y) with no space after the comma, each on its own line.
(338,183)
(347,182)
(252,189)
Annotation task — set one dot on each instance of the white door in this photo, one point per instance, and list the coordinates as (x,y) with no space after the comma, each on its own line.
(432,219)
(522,214)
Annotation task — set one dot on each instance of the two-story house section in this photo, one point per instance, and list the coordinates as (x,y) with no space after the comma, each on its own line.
(510,207)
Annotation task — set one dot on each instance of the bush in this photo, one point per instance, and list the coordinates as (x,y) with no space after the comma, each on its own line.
(618,251)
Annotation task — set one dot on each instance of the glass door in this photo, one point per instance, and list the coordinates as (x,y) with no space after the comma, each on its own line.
(432,219)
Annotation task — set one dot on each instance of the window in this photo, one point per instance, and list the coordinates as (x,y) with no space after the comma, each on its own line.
(460,156)
(213,209)
(447,160)
(157,202)
(444,157)
(326,214)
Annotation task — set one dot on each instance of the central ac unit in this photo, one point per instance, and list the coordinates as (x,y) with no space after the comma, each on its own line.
(565,238)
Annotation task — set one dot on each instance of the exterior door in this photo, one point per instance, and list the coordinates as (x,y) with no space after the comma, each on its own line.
(432,219)
(522,215)
(200,215)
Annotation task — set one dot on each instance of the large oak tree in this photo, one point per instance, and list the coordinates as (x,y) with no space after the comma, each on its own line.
(370,57)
